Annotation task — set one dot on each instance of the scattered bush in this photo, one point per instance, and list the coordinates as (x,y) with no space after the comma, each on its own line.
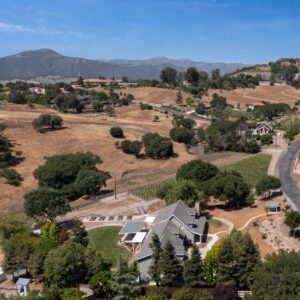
(116,132)
(130,147)
(12,176)
(47,122)
(266,139)
(145,106)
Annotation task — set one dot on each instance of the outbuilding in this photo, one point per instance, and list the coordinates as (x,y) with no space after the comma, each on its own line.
(272,206)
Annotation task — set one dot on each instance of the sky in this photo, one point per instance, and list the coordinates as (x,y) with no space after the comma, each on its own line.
(247,31)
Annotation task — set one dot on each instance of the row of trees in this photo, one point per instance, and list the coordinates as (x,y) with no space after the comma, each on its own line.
(232,262)
(200,81)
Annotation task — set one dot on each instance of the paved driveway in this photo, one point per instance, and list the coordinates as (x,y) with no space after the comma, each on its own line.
(285,167)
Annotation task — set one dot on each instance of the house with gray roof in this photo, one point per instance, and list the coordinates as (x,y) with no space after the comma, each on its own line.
(176,223)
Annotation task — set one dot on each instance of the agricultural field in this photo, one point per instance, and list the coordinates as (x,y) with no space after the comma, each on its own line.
(105,241)
(252,169)
(149,192)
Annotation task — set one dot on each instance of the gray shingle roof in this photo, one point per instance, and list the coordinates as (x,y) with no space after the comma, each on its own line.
(23,281)
(132,227)
(167,230)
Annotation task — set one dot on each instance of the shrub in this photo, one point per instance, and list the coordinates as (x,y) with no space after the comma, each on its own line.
(145,106)
(12,176)
(47,122)
(116,132)
(182,294)
(266,139)
(129,147)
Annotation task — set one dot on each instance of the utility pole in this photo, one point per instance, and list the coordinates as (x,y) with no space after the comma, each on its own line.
(115,185)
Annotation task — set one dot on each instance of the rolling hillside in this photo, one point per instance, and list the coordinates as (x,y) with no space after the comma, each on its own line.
(46,62)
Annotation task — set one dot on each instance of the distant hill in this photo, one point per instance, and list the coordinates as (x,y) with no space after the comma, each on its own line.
(45,62)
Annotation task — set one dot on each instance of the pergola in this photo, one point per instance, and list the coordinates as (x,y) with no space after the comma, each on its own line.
(134,234)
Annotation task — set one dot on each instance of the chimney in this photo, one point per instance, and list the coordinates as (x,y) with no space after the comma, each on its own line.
(197,208)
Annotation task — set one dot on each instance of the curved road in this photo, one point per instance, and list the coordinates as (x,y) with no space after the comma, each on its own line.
(290,189)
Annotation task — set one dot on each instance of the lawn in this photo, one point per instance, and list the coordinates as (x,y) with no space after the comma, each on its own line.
(105,240)
(214,223)
(252,169)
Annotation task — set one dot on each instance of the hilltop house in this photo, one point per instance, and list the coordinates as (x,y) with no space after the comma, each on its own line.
(263,128)
(176,223)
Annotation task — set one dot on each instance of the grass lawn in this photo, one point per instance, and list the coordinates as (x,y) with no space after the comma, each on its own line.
(214,223)
(252,169)
(105,240)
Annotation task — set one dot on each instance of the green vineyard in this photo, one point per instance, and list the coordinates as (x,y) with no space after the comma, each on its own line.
(149,192)
(252,169)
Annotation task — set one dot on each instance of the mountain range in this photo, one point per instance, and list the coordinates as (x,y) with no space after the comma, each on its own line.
(48,63)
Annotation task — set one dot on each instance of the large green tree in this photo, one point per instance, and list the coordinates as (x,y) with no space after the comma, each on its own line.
(155,267)
(123,284)
(168,75)
(197,171)
(192,76)
(193,269)
(60,171)
(182,135)
(211,265)
(185,190)
(157,146)
(65,266)
(45,202)
(170,266)
(238,259)
(229,187)
(90,182)
(278,277)
(47,122)
(292,219)
(267,184)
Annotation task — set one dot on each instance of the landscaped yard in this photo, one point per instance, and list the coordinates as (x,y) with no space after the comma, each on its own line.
(214,223)
(105,240)
(252,169)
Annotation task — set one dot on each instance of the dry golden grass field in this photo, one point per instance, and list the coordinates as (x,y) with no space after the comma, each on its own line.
(153,95)
(91,133)
(276,94)
(86,133)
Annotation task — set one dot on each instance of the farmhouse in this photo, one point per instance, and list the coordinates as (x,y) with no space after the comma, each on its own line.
(263,128)
(37,90)
(176,223)
(264,68)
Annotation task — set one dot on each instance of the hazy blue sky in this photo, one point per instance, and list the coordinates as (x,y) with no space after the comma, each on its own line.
(246,31)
